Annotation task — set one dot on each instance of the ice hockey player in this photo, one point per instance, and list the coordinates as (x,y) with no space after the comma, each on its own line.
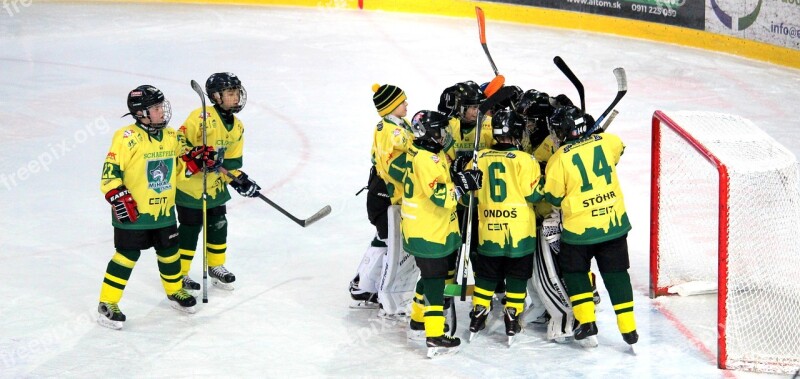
(507,232)
(224,134)
(139,179)
(429,225)
(460,102)
(581,178)
(387,275)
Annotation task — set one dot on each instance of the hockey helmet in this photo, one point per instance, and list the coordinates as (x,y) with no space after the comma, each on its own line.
(430,126)
(534,104)
(568,123)
(507,123)
(142,99)
(221,81)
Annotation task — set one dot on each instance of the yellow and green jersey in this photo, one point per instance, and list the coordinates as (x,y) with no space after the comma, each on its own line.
(581,178)
(511,182)
(464,144)
(391,142)
(148,166)
(542,153)
(227,140)
(428,211)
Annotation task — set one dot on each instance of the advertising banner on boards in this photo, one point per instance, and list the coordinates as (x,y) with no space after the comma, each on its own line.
(775,22)
(685,13)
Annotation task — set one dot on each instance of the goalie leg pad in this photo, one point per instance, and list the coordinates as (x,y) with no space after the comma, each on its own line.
(551,290)
(369,270)
(399,270)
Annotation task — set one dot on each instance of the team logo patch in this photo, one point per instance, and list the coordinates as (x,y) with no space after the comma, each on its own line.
(396,132)
(111,156)
(127,133)
(159,172)
(435,158)
(510,155)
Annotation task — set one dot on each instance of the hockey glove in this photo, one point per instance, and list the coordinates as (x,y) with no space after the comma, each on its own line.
(458,165)
(245,186)
(467,181)
(124,206)
(197,156)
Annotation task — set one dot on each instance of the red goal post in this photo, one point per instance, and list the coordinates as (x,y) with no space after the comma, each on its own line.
(725,213)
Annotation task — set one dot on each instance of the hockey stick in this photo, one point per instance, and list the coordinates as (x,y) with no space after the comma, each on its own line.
(622,89)
(572,78)
(501,95)
(610,118)
(326,210)
(196,88)
(499,80)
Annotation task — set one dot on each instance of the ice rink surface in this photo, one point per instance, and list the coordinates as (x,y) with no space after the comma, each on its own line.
(66,71)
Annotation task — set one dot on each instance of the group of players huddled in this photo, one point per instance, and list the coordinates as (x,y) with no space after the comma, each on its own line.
(542,166)
(150,168)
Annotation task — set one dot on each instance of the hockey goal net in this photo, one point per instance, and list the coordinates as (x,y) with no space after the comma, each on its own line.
(725,212)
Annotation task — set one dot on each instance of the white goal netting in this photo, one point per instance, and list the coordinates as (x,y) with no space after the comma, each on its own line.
(756,256)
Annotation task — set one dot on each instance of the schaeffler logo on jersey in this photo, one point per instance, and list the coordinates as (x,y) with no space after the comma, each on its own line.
(159,173)
(737,23)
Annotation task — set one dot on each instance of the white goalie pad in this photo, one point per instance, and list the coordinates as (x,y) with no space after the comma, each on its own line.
(369,270)
(400,273)
(548,284)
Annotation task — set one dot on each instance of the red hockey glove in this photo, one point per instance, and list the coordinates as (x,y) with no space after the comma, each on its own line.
(123,203)
(194,159)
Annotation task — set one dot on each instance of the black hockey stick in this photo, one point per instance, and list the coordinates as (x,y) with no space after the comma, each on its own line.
(326,210)
(622,89)
(499,80)
(572,78)
(501,95)
(196,88)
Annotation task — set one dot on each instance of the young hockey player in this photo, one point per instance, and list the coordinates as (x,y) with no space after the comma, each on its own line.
(507,232)
(138,180)
(582,180)
(224,133)
(386,274)
(429,225)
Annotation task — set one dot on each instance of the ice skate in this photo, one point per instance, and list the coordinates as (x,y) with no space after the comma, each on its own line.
(512,324)
(221,277)
(363,299)
(182,301)
(630,337)
(543,319)
(586,334)
(416,331)
(189,284)
(442,345)
(477,321)
(110,316)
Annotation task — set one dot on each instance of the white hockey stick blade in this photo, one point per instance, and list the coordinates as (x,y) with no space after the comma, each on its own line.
(693,288)
(622,79)
(610,118)
(326,210)
(510,340)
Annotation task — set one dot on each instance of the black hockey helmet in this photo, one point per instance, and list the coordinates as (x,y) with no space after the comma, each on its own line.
(507,123)
(430,126)
(142,99)
(469,94)
(568,123)
(511,101)
(534,105)
(221,81)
